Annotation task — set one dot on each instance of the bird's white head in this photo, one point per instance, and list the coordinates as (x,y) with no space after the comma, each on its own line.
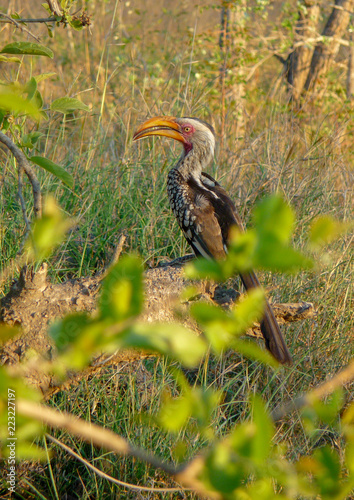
(197,136)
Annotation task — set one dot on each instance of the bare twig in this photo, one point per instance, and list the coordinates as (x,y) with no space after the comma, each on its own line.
(30,20)
(116,254)
(110,478)
(179,261)
(23,164)
(342,378)
(22,201)
(19,26)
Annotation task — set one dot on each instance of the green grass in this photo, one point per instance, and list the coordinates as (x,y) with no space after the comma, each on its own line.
(120,188)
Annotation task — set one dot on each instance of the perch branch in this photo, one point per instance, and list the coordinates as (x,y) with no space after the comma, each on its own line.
(23,164)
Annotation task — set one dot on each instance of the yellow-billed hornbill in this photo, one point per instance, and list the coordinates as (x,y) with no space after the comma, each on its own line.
(204,211)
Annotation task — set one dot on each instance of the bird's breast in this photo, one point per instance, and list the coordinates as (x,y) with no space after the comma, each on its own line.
(181,200)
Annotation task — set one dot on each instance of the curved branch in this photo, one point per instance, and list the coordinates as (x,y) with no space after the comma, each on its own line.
(341,379)
(90,433)
(106,476)
(186,474)
(23,164)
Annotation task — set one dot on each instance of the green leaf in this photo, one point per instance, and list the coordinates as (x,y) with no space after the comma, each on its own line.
(122,290)
(325,229)
(168,339)
(206,313)
(197,402)
(67,330)
(27,48)
(221,327)
(272,216)
(37,99)
(76,24)
(29,140)
(274,220)
(242,249)
(27,450)
(224,469)
(264,430)
(79,338)
(272,254)
(329,473)
(31,88)
(174,413)
(328,411)
(9,59)
(44,76)
(204,268)
(47,232)
(251,350)
(246,312)
(54,169)
(68,105)
(14,103)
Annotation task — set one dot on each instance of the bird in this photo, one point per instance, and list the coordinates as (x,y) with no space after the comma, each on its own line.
(202,207)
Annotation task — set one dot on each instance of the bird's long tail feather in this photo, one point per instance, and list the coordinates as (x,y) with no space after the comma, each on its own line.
(273,337)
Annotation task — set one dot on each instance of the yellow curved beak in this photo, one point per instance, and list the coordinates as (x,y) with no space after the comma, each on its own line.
(160,125)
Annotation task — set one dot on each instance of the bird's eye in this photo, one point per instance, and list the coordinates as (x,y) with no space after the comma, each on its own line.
(187,129)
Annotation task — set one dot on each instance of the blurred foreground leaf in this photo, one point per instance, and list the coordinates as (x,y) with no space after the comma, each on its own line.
(273,223)
(122,290)
(13,388)
(325,229)
(12,102)
(198,403)
(168,339)
(223,328)
(47,232)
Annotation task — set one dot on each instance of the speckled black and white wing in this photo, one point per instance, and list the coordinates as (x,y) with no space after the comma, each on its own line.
(193,208)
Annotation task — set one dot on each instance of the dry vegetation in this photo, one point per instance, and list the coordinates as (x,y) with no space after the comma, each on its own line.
(140,59)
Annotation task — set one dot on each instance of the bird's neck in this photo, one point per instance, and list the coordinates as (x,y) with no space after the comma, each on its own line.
(193,161)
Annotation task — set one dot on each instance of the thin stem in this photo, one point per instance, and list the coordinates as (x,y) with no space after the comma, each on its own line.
(23,164)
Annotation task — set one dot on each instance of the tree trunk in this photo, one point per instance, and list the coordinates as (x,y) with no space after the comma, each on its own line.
(300,59)
(326,50)
(232,32)
(350,74)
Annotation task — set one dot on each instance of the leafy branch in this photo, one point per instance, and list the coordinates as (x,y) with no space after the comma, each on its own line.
(187,474)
